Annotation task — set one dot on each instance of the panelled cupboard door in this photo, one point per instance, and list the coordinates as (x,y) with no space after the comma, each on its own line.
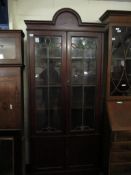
(10,98)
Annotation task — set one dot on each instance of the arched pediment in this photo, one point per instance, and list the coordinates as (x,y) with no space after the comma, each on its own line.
(66,17)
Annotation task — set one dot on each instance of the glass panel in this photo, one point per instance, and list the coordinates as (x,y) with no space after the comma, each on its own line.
(6,156)
(83,82)
(89,119)
(48,83)
(7,48)
(83,120)
(83,47)
(41,96)
(89,96)
(49,73)
(77,72)
(121,62)
(48,108)
(89,72)
(76,97)
(76,122)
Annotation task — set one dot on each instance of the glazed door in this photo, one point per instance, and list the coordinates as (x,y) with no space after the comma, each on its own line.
(64,99)
(48,105)
(83,73)
(120,72)
(48,82)
(65,74)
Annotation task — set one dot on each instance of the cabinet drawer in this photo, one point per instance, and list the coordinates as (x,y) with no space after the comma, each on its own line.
(120,169)
(121,136)
(120,157)
(121,146)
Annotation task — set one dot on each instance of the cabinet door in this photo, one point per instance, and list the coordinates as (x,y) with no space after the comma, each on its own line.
(83,74)
(7,155)
(64,73)
(47,92)
(10,98)
(47,85)
(120,69)
(84,61)
(10,47)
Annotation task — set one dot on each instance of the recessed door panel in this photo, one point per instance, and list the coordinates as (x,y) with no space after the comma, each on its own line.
(48,152)
(7,156)
(83,151)
(10,98)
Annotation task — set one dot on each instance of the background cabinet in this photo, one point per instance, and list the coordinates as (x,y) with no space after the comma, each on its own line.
(10,98)
(118,53)
(65,64)
(118,101)
(11,49)
(11,102)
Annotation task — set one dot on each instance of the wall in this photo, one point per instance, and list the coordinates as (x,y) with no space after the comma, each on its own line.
(20,10)
(89,10)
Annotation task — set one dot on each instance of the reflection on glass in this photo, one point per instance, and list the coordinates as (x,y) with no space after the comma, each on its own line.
(83,60)
(83,46)
(6,156)
(77,72)
(50,73)
(84,72)
(121,62)
(48,82)
(7,48)
(89,72)
(83,79)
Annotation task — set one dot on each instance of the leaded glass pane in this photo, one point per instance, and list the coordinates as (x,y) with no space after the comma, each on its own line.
(121,61)
(48,83)
(83,82)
